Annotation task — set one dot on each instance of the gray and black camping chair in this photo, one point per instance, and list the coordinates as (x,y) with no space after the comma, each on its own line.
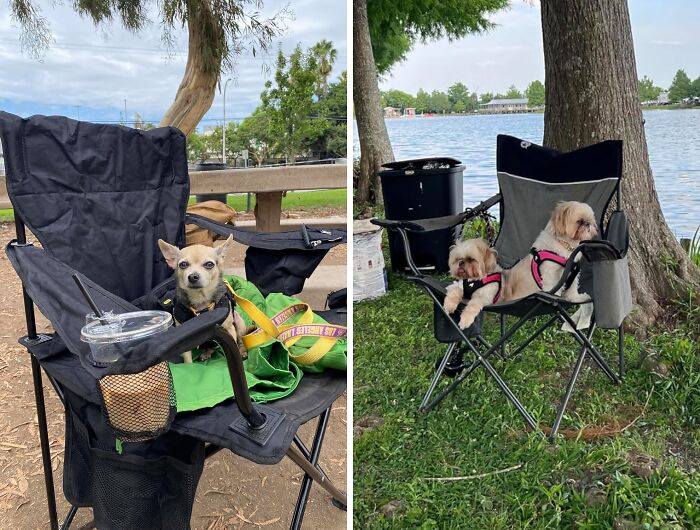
(532,180)
(98,198)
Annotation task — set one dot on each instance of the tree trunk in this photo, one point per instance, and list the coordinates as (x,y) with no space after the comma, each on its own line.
(592,95)
(198,86)
(375,147)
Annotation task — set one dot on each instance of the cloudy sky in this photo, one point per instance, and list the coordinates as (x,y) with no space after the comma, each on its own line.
(91,71)
(665,39)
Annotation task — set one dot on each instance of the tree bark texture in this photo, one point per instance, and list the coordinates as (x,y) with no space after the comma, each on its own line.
(198,86)
(375,147)
(592,95)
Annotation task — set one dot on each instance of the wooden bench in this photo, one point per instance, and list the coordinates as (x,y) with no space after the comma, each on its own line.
(268,183)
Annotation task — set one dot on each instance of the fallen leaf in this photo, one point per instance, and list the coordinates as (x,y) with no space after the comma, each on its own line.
(267,523)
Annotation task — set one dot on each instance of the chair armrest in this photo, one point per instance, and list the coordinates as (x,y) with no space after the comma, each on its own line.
(320,238)
(438,223)
(166,346)
(595,250)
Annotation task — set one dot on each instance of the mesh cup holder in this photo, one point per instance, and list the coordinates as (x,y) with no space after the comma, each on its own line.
(139,406)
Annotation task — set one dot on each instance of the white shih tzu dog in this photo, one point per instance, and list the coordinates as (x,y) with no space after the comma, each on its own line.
(570,223)
(473,264)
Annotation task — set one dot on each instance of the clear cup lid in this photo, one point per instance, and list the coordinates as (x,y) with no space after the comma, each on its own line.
(126,326)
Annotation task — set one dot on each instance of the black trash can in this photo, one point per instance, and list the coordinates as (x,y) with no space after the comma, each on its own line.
(421,189)
(210,166)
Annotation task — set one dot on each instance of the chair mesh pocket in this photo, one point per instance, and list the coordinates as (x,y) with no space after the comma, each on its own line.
(139,406)
(134,492)
(612,293)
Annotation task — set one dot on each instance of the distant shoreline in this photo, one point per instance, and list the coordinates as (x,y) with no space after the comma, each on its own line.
(674,106)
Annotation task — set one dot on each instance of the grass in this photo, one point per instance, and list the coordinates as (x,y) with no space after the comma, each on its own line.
(297,200)
(694,248)
(476,431)
(294,200)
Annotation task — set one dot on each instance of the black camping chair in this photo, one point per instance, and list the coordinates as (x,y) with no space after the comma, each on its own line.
(532,179)
(98,197)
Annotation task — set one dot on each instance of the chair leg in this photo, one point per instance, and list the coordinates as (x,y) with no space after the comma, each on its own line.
(621,350)
(69,517)
(570,387)
(44,439)
(312,472)
(594,353)
(436,377)
(482,360)
(503,332)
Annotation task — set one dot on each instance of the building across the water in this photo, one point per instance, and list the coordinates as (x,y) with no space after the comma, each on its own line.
(392,112)
(505,106)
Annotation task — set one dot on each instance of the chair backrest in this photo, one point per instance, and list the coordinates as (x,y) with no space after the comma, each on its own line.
(98,197)
(533,179)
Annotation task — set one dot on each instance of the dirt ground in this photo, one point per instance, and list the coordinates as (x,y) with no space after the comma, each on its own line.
(233,492)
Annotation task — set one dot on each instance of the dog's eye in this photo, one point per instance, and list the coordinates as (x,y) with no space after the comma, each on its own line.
(460,263)
(183,265)
(470,260)
(209,265)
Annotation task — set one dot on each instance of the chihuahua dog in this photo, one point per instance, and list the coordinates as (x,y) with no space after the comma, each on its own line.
(473,264)
(200,286)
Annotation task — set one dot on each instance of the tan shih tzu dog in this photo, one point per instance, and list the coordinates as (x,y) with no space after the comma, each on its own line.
(473,264)
(570,223)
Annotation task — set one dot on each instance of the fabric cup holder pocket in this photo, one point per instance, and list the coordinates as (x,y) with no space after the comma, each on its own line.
(445,331)
(612,293)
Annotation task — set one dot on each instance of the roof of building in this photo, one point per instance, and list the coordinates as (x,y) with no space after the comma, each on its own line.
(522,101)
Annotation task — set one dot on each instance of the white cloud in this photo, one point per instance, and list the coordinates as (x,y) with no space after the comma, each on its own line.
(99,68)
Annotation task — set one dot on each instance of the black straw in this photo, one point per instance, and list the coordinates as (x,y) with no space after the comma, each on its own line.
(90,301)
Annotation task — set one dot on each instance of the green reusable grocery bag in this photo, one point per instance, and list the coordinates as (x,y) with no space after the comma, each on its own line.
(290,340)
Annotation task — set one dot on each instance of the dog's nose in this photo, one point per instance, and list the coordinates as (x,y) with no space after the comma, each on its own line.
(193,278)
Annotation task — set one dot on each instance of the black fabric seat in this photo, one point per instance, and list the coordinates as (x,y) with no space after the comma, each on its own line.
(98,198)
(532,180)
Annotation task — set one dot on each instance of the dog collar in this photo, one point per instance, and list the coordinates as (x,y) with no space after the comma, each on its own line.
(183,312)
(568,246)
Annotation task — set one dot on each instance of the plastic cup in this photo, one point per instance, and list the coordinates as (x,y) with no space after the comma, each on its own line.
(109,341)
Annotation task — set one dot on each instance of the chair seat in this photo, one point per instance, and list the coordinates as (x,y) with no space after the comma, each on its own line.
(517,307)
(314,394)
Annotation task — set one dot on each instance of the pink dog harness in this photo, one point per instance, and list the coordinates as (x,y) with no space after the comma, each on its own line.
(469,287)
(540,256)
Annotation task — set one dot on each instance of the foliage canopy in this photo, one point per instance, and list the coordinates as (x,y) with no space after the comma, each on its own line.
(396,26)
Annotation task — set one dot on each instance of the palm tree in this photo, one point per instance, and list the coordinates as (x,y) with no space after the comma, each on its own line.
(325,55)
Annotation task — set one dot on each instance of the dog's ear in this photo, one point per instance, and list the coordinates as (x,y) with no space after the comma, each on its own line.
(490,259)
(559,218)
(221,249)
(170,252)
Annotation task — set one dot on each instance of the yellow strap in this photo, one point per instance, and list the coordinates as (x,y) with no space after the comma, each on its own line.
(267,331)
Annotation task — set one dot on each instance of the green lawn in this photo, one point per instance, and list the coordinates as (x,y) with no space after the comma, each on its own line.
(568,484)
(294,200)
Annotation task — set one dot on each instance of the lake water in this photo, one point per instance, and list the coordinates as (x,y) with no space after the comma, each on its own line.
(673,137)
